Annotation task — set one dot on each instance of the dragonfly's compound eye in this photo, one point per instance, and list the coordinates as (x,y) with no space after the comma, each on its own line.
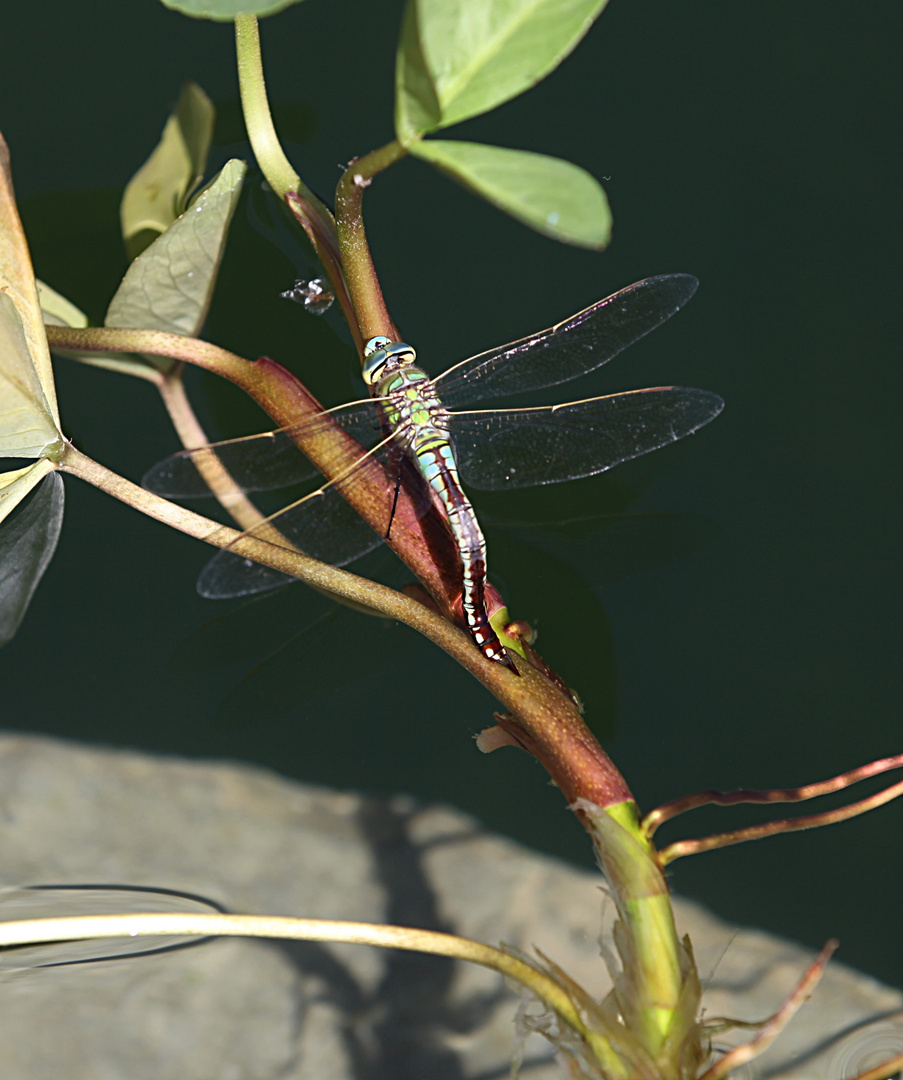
(376,344)
(375,358)
(381,354)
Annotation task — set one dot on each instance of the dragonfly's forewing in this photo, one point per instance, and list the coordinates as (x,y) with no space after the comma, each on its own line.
(512,448)
(571,348)
(263,462)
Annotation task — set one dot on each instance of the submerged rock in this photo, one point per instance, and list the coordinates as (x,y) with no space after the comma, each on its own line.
(250,841)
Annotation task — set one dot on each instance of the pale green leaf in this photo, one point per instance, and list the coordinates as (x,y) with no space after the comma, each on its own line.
(477,54)
(28,427)
(16,484)
(226,10)
(169,286)
(552,196)
(29,419)
(157,193)
(28,541)
(58,311)
(416,105)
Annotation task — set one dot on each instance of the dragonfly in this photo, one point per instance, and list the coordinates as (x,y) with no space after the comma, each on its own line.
(427,422)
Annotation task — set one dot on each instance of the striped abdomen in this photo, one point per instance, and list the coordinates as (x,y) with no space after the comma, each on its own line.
(435,458)
(414,412)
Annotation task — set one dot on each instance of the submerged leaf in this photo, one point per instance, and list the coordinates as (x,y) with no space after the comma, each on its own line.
(27,543)
(157,193)
(461,59)
(554,197)
(169,286)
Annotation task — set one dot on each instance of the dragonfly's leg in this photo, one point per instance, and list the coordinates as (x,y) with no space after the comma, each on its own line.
(395,497)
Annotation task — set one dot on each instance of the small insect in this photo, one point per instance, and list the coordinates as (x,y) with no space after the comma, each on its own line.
(315,295)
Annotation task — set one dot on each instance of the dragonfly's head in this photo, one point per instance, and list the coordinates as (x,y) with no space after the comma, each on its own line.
(382,357)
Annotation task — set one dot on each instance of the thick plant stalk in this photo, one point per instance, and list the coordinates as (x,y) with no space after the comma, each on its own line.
(657,991)
(370,311)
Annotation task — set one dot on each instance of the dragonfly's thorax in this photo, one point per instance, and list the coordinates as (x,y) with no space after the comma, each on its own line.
(410,405)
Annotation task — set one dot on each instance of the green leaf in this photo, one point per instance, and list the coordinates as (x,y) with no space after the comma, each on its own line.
(27,543)
(16,484)
(157,193)
(29,420)
(417,108)
(552,196)
(477,54)
(58,311)
(226,10)
(169,286)
(28,426)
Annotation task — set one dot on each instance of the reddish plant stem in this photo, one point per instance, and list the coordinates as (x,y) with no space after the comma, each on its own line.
(659,816)
(755,832)
(775,1024)
(565,746)
(542,718)
(568,749)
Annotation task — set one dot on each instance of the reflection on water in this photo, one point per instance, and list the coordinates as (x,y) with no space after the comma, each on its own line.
(61,901)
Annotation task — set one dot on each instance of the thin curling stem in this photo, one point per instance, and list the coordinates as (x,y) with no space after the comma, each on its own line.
(314,217)
(268,151)
(659,816)
(756,832)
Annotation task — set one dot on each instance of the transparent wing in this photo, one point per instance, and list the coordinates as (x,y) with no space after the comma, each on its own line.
(324,525)
(258,462)
(571,348)
(512,448)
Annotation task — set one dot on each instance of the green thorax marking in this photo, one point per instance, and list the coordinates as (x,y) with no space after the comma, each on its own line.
(390,371)
(408,406)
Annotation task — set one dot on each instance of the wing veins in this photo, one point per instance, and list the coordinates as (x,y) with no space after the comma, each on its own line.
(334,483)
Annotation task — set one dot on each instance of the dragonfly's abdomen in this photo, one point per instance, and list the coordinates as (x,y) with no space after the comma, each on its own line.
(436,460)
(415,412)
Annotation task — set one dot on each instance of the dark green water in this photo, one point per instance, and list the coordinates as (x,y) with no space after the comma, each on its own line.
(745,631)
